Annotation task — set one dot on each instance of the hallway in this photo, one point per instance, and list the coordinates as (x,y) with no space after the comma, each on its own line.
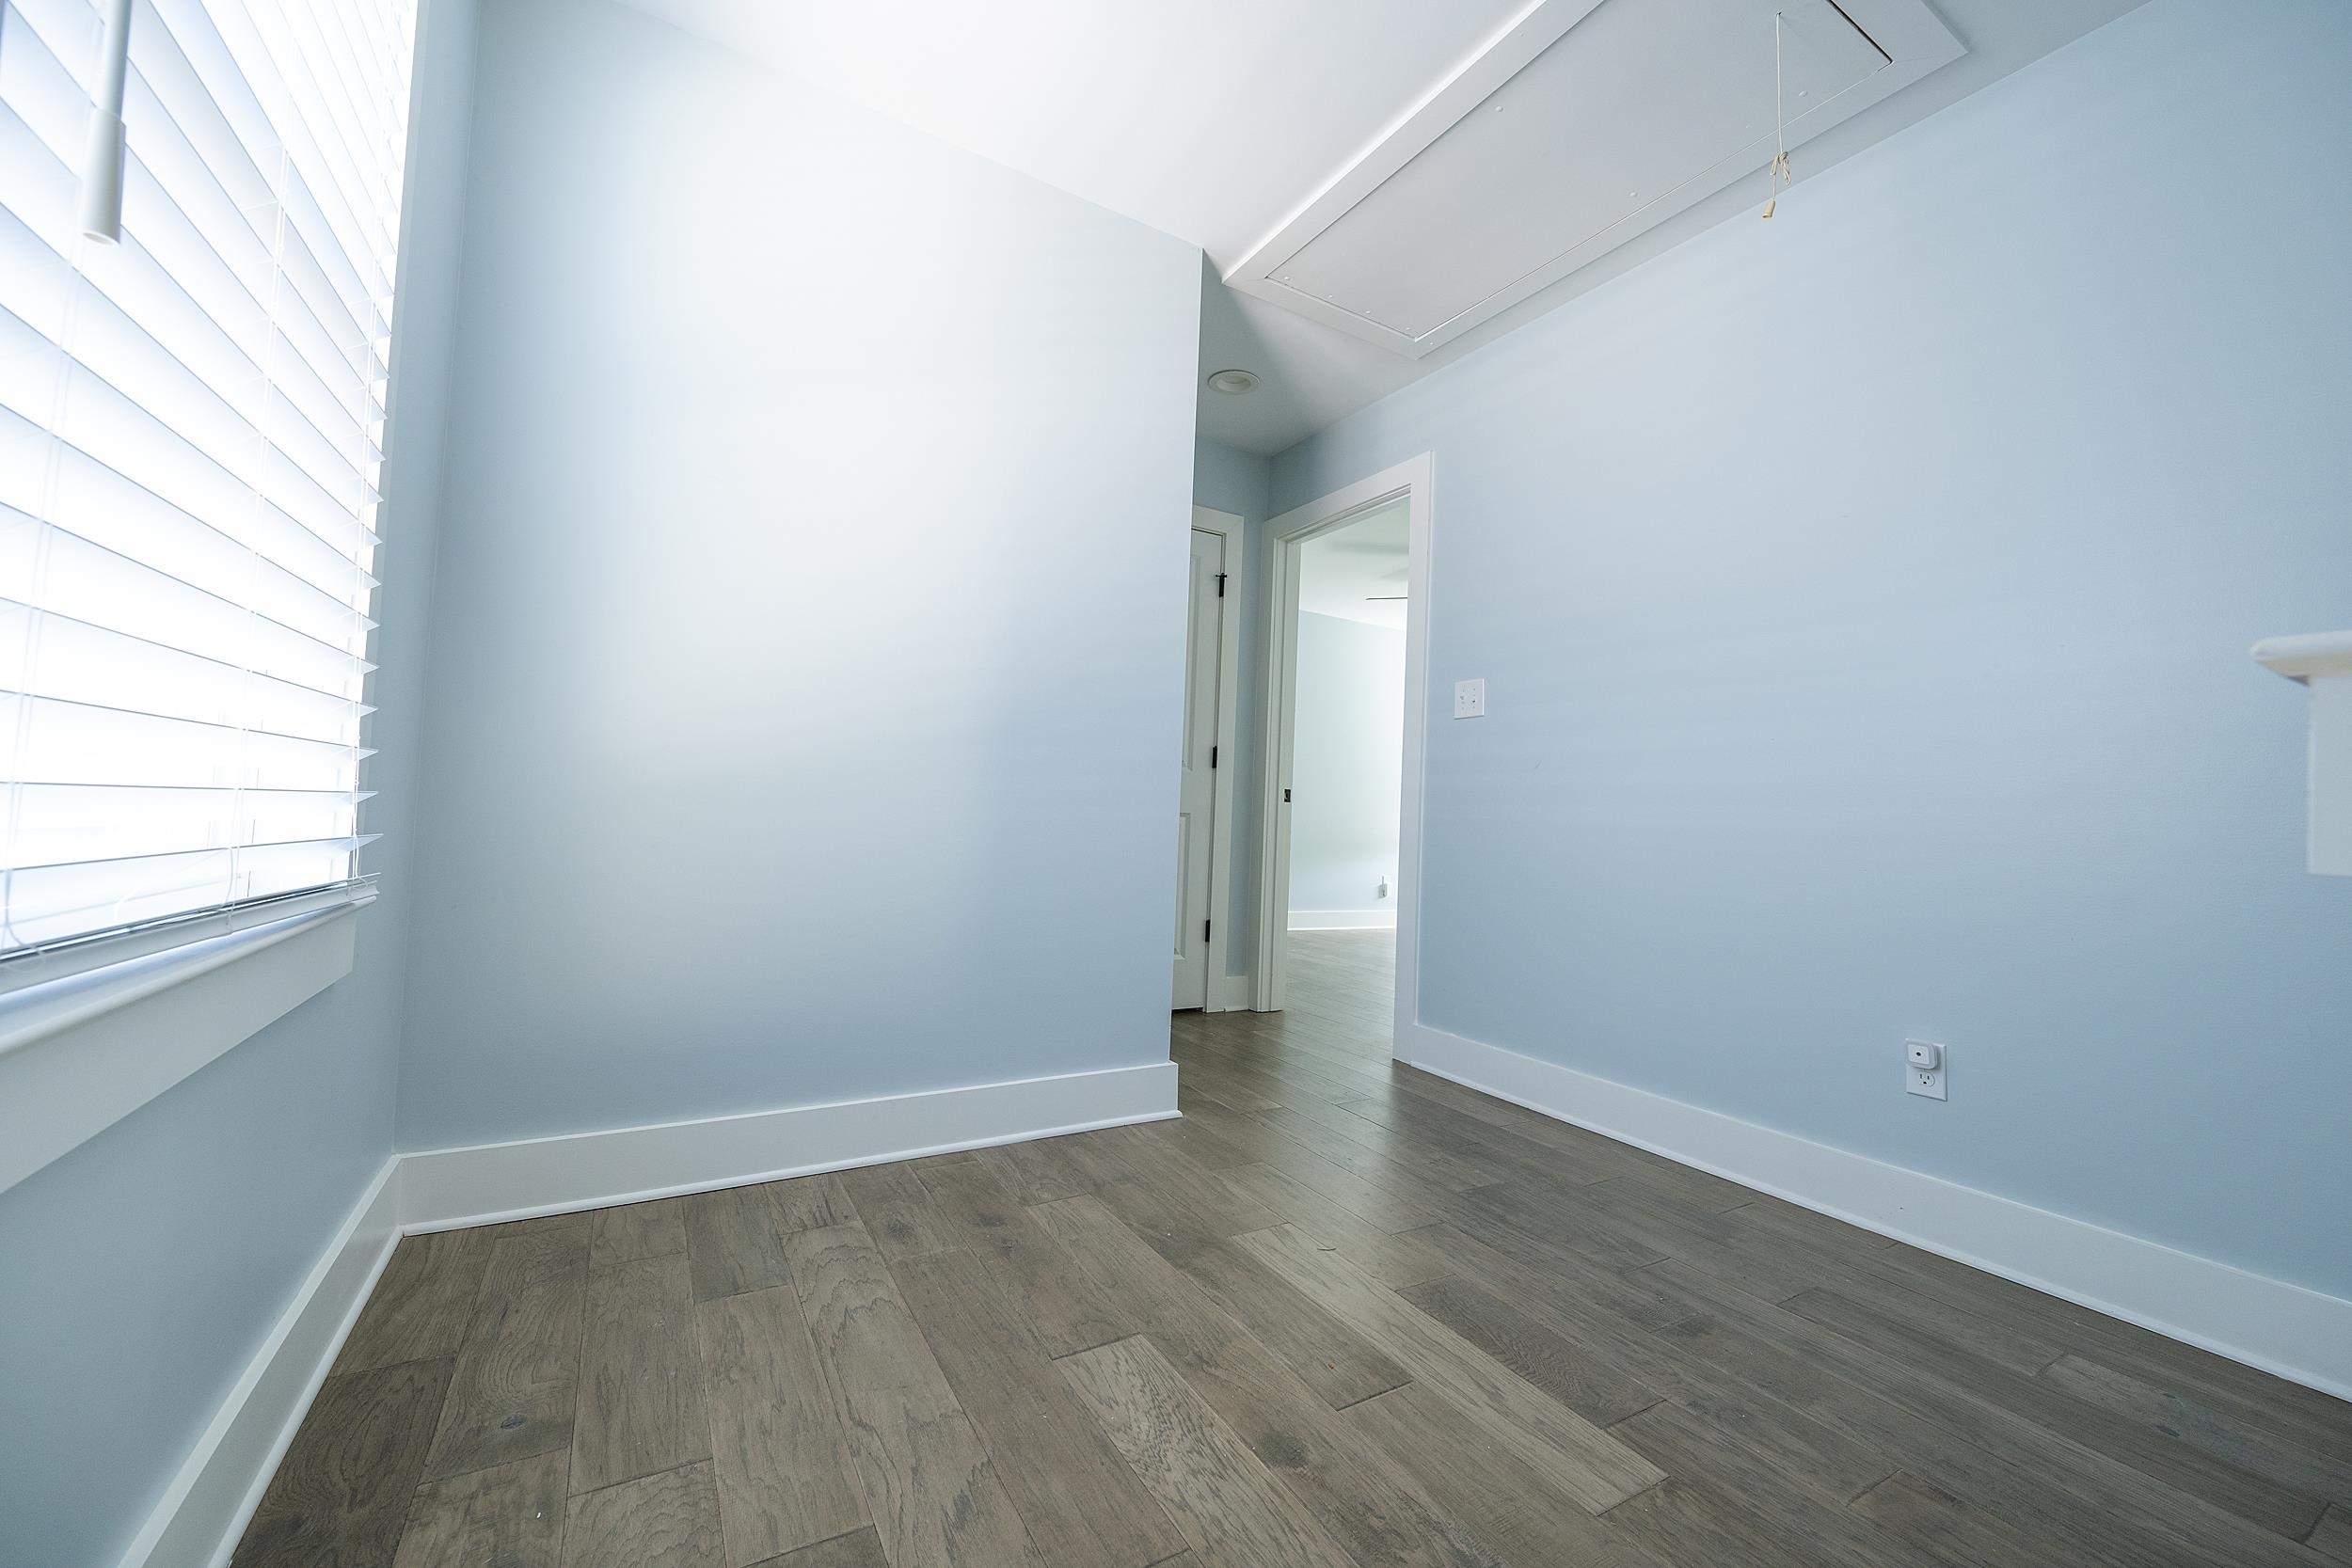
(1340,1313)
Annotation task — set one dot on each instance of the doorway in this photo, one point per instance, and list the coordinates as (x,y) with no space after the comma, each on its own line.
(1204,808)
(1338,553)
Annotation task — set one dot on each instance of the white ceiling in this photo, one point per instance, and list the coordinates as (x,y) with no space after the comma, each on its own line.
(1357,573)
(1217,120)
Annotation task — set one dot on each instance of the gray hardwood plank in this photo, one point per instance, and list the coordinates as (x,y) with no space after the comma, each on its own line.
(1932,1526)
(1083,1506)
(1034,1173)
(1685,1520)
(895,1209)
(1680,1441)
(2106,1511)
(640,1397)
(1536,1275)
(733,1241)
(341,1499)
(860,1548)
(2321,1467)
(1394,1259)
(1511,1507)
(666,1520)
(1198,1137)
(2332,1538)
(1394,1167)
(781,1459)
(1363,1500)
(507,1517)
(420,1308)
(1514,1208)
(1596,1468)
(636,1231)
(1330,1357)
(1171,1199)
(514,1390)
(1068,1312)
(1588,1384)
(1322,1126)
(2190,1470)
(1231,1512)
(810,1202)
(936,1502)
(2213,1380)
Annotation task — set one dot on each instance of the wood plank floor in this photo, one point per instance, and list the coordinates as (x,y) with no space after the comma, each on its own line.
(1342,1315)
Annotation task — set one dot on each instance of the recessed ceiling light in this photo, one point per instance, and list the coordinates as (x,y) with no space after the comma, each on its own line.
(1235,381)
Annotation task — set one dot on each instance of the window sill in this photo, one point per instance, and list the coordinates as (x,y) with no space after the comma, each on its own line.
(79,1053)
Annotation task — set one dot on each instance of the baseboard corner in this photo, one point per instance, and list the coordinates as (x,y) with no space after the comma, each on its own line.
(209,1502)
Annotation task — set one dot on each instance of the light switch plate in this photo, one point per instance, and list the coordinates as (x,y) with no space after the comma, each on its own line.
(1470,699)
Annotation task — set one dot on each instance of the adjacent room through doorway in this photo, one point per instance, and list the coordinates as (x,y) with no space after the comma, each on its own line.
(1347,717)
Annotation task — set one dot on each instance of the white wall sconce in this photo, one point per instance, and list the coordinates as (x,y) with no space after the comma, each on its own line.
(2322,661)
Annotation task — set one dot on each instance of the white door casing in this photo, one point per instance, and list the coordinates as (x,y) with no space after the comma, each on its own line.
(1196,807)
(1413,482)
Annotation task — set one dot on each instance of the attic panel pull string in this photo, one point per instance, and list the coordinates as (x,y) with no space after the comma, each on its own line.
(1781,178)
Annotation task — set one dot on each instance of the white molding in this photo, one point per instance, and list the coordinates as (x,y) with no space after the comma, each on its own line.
(1907,33)
(208,1504)
(2322,661)
(2299,658)
(1413,481)
(1231,994)
(2286,1329)
(443,1189)
(80,1053)
(1344,920)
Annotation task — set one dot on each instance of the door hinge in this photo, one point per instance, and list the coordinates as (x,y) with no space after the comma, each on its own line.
(1286,796)
(1204,929)
(1220,585)
(1212,756)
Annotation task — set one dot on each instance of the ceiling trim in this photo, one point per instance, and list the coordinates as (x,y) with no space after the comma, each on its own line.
(1913,39)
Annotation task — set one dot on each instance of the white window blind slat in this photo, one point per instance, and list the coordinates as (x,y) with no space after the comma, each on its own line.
(47,655)
(52,569)
(92,502)
(58,742)
(190,449)
(55,821)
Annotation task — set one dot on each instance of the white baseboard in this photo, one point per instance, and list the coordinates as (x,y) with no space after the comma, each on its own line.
(2295,1333)
(1342,920)
(443,1189)
(198,1520)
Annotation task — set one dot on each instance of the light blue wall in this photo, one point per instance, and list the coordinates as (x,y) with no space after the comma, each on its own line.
(809,631)
(1862,598)
(1347,749)
(139,1274)
(1229,480)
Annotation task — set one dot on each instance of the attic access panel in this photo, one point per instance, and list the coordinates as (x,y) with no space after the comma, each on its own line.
(1582,126)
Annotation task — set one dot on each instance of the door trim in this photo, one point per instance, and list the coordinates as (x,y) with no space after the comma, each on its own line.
(1229,528)
(1412,481)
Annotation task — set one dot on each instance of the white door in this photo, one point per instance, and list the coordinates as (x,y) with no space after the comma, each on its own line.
(1196,809)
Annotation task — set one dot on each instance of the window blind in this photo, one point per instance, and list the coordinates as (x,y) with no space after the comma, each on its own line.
(190,447)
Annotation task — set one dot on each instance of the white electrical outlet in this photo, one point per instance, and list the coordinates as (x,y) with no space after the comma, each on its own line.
(1923,1069)
(1470,699)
